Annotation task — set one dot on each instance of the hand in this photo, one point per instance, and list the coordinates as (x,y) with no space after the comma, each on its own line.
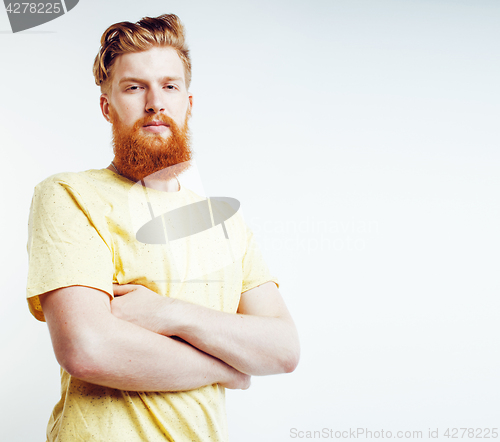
(238,381)
(141,306)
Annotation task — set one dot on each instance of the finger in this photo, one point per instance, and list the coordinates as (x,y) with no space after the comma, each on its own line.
(119,290)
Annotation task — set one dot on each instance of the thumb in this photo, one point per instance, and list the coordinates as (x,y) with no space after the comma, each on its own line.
(119,290)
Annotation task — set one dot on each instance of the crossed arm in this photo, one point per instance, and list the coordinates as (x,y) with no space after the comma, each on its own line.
(127,343)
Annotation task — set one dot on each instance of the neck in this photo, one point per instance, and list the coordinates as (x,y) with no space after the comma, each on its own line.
(171,185)
(164,185)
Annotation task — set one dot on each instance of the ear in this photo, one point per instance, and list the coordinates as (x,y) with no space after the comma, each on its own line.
(104,103)
(190,97)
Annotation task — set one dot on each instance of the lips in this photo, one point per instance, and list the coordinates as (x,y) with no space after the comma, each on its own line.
(156,123)
(156,127)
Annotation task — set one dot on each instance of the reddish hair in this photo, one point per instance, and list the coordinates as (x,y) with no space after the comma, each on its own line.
(125,37)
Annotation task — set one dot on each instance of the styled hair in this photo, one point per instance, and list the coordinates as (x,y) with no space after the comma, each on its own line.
(125,37)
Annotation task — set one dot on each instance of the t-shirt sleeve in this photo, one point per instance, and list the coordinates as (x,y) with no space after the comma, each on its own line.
(255,270)
(64,245)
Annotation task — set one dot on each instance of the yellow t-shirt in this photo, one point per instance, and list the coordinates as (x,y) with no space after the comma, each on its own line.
(82,231)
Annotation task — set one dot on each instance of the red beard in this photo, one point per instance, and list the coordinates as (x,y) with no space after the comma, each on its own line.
(138,155)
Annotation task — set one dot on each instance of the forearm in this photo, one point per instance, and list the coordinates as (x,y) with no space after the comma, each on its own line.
(255,345)
(261,339)
(92,344)
(131,358)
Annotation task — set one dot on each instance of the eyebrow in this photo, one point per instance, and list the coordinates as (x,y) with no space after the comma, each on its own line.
(140,80)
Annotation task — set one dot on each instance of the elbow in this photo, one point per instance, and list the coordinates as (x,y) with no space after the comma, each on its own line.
(285,354)
(290,363)
(80,361)
(289,355)
(292,356)
(84,370)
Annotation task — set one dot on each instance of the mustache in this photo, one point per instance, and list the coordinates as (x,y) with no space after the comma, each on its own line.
(155,117)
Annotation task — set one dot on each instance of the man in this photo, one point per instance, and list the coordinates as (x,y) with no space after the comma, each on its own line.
(149,330)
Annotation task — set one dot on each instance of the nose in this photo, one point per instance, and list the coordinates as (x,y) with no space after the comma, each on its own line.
(154,101)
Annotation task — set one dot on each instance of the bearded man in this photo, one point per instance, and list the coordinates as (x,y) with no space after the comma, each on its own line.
(148,333)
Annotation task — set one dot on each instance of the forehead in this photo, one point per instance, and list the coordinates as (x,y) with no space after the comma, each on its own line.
(157,62)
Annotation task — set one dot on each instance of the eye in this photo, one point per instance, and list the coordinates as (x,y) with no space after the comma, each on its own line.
(133,88)
(170,87)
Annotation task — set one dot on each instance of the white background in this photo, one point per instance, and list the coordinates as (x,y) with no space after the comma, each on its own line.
(361,137)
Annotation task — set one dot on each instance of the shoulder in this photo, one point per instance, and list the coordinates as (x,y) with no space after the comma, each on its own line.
(75,179)
(53,189)
(90,185)
(61,193)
